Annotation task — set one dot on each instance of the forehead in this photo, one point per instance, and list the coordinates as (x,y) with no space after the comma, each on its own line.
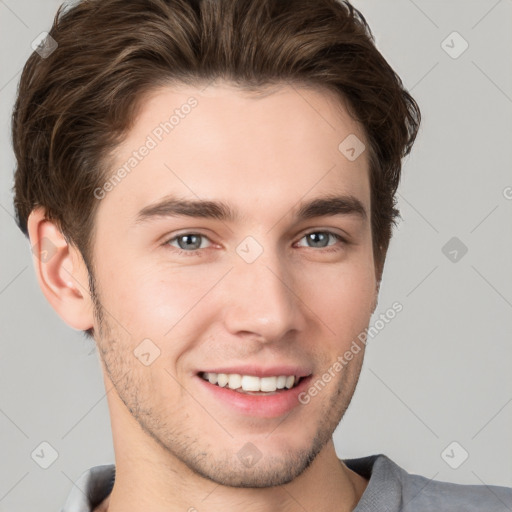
(277,145)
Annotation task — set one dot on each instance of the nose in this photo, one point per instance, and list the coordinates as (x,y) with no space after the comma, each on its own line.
(263,303)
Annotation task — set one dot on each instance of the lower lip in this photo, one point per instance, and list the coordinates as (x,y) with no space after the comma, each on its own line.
(265,406)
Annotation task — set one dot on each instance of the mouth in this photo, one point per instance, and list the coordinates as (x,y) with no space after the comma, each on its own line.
(256,391)
(251,384)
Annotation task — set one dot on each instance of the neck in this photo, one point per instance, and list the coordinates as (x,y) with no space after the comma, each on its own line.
(142,484)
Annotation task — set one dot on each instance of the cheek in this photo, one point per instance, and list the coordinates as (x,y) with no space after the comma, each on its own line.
(342,296)
(157,300)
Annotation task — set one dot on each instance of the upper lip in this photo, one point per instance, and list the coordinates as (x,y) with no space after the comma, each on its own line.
(259,371)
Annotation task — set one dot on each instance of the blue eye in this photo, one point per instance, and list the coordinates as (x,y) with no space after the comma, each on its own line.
(188,242)
(320,239)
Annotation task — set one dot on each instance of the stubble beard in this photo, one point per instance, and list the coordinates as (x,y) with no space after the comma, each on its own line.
(224,469)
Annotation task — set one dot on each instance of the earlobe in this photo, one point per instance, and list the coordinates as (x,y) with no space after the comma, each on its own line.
(375,301)
(375,297)
(61,272)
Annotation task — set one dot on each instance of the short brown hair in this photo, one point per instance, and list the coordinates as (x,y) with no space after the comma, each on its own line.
(75,106)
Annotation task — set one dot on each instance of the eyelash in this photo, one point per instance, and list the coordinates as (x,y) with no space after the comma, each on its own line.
(196,252)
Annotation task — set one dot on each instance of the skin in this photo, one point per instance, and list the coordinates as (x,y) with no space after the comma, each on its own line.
(298,303)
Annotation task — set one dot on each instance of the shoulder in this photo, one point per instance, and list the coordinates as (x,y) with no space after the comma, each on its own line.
(91,489)
(416,493)
(421,493)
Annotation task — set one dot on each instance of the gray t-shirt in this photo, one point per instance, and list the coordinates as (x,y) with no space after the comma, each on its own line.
(390,489)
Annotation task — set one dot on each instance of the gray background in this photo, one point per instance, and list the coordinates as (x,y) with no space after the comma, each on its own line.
(438,373)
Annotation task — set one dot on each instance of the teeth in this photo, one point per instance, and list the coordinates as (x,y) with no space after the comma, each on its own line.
(250,382)
(281,382)
(269,383)
(235,381)
(222,379)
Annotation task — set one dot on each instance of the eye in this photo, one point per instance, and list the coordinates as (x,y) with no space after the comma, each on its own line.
(320,239)
(187,242)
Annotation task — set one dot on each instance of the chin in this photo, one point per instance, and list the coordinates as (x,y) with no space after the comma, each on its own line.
(249,467)
(269,471)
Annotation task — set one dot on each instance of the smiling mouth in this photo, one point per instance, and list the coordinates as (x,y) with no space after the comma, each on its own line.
(251,384)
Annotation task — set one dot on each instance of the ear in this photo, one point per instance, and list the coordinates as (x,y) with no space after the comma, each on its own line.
(61,272)
(375,299)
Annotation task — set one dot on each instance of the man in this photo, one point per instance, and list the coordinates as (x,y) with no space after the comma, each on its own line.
(210,186)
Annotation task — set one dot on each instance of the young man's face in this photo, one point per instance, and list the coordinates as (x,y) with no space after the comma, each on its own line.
(267,292)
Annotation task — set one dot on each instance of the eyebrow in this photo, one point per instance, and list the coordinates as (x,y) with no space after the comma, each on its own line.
(171,206)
